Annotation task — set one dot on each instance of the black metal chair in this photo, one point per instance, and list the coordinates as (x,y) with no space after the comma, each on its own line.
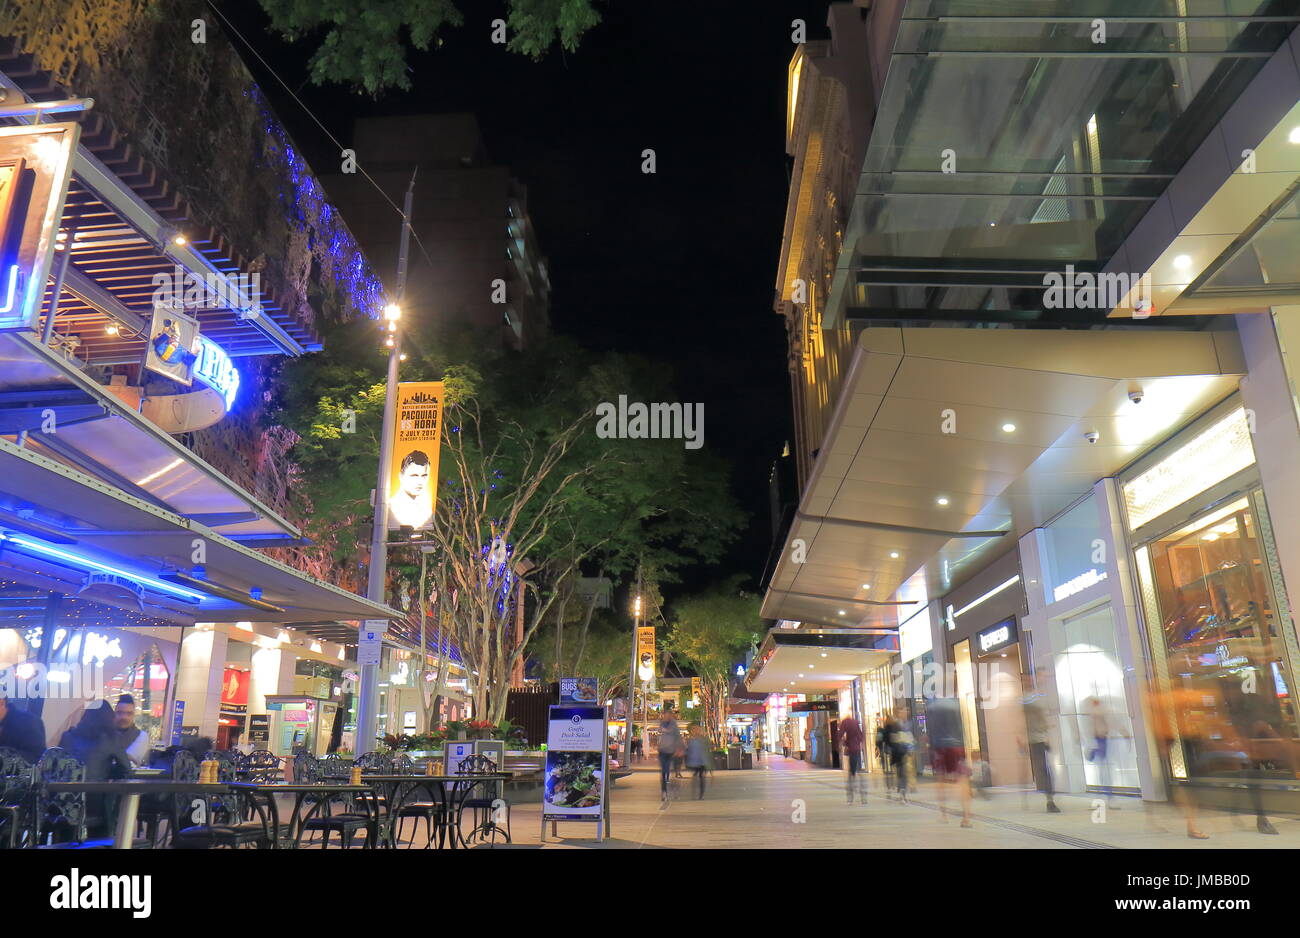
(16,790)
(486,806)
(222,823)
(261,766)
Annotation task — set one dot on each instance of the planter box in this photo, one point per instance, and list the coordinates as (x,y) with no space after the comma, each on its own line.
(747,760)
(719,762)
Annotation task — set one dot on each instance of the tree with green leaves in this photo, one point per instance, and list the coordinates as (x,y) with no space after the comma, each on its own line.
(366,43)
(522,471)
(711,631)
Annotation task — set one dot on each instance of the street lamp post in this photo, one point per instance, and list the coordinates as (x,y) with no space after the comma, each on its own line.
(367,692)
(631,681)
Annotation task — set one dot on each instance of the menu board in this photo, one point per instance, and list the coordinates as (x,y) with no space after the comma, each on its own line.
(574,787)
(578,690)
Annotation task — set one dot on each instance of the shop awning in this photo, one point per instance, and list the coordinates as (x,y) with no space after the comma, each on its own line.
(99,434)
(947,444)
(59,526)
(812,661)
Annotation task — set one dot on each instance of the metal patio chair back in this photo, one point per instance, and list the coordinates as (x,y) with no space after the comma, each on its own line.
(60,813)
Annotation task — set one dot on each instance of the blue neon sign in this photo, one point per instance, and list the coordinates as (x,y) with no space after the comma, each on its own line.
(11,289)
(214,368)
(35,547)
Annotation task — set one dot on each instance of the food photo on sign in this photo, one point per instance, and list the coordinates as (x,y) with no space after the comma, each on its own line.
(573,780)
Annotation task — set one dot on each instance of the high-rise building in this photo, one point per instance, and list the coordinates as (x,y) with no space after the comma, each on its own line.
(474,257)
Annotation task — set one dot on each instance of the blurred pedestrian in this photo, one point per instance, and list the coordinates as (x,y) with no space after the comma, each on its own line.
(850,739)
(882,751)
(1037,737)
(96,742)
(670,741)
(948,746)
(901,744)
(698,756)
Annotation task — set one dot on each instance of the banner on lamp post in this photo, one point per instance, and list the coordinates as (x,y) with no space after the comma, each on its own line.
(645,652)
(413,471)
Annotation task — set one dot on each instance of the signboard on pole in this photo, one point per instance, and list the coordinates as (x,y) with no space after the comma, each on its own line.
(413,471)
(574,786)
(35,167)
(697,689)
(578,690)
(645,652)
(370,641)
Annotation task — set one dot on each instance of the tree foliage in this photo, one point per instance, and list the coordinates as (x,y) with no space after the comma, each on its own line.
(366,43)
(712,630)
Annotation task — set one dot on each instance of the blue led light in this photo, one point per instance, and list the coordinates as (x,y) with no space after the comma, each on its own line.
(305,202)
(157,585)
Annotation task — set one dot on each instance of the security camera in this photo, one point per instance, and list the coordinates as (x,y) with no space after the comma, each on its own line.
(1092,436)
(1135,396)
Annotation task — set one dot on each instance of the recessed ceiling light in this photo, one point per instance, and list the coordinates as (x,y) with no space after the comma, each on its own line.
(942,500)
(801,675)
(823,654)
(866,586)
(1183,261)
(893,554)
(1008,428)
(1294,136)
(841,612)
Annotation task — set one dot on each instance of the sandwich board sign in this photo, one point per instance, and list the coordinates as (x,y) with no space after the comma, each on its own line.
(574,785)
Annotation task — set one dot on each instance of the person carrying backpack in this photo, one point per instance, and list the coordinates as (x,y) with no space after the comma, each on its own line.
(670,742)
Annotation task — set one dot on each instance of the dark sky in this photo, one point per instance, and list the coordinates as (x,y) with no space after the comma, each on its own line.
(678,266)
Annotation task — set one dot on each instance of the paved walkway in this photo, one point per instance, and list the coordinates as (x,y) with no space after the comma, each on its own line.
(787,803)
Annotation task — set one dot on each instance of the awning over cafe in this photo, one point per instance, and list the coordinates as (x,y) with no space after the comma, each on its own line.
(64,531)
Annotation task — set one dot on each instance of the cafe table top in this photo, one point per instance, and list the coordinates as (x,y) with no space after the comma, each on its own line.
(140,786)
(292,788)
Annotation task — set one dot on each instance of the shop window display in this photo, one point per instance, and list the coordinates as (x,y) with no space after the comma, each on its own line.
(1228,666)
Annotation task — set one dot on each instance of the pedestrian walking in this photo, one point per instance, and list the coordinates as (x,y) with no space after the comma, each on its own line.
(948,745)
(882,752)
(698,756)
(670,741)
(901,743)
(851,739)
(1036,733)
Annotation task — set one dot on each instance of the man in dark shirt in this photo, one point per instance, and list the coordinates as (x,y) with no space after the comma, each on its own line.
(21,731)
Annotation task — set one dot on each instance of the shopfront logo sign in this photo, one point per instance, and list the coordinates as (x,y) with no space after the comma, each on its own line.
(214,368)
(1078,584)
(995,637)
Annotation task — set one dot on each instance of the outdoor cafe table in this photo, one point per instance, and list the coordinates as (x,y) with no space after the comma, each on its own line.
(398,789)
(129,791)
(297,823)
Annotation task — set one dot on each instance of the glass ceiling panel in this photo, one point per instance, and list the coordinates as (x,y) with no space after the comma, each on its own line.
(1006,136)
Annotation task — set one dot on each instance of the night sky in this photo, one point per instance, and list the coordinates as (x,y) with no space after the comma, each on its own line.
(678,266)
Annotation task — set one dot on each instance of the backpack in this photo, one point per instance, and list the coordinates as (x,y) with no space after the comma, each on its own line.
(670,742)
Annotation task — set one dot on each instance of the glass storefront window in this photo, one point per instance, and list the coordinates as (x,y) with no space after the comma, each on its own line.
(1071,554)
(1228,667)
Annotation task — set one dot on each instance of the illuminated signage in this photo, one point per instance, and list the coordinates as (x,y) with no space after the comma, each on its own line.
(1078,584)
(214,368)
(998,636)
(914,638)
(35,168)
